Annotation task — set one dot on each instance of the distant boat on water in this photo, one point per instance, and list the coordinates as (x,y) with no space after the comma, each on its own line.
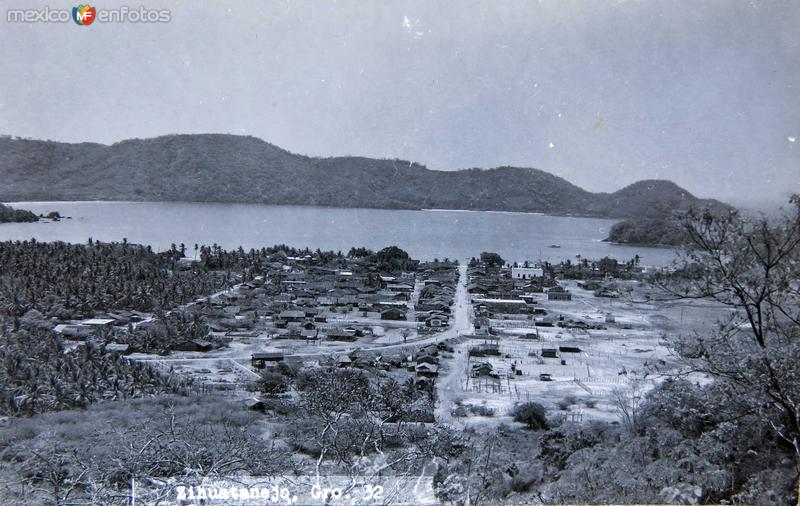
(554,246)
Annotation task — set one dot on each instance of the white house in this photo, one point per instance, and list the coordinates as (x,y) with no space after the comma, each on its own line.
(527,272)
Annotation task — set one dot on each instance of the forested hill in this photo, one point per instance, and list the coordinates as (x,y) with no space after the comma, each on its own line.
(228,168)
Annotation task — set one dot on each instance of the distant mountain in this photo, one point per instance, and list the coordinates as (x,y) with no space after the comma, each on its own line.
(227,168)
(650,197)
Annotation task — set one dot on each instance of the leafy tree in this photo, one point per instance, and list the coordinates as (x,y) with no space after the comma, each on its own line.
(359,252)
(272,383)
(607,265)
(392,253)
(492,259)
(393,259)
(752,266)
(531,414)
(627,402)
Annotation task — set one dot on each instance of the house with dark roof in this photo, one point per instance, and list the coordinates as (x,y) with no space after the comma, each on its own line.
(558,293)
(393,314)
(262,359)
(426,370)
(194,345)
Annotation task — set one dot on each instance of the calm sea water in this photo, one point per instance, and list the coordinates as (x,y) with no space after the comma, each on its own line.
(424,234)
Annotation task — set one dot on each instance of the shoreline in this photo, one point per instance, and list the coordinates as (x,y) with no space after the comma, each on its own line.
(317,226)
(493,211)
(641,245)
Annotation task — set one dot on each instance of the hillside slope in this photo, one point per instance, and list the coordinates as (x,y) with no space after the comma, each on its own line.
(227,168)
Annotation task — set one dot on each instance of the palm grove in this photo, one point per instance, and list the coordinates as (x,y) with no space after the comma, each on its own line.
(735,437)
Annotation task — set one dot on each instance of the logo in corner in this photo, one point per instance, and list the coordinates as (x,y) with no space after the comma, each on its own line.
(83,15)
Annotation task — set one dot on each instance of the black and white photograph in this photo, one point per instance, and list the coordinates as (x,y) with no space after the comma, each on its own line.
(401,252)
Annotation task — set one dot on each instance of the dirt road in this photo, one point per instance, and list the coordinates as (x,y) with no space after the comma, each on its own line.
(449,380)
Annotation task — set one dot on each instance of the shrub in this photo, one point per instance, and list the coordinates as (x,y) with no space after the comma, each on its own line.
(481,410)
(563,404)
(280,407)
(272,383)
(459,411)
(531,414)
(285,369)
(522,483)
(302,436)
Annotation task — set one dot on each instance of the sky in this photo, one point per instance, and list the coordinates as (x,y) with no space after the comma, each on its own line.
(601,93)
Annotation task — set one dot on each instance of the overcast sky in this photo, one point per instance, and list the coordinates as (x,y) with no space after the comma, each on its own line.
(601,93)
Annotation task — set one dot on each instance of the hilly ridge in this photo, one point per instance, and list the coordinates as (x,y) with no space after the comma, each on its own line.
(228,168)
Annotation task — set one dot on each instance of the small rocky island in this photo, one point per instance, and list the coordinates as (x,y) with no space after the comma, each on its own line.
(10,215)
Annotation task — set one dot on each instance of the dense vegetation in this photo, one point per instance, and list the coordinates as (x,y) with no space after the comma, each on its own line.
(37,373)
(90,457)
(752,267)
(73,280)
(595,269)
(685,444)
(10,215)
(648,231)
(226,168)
(258,261)
(336,421)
